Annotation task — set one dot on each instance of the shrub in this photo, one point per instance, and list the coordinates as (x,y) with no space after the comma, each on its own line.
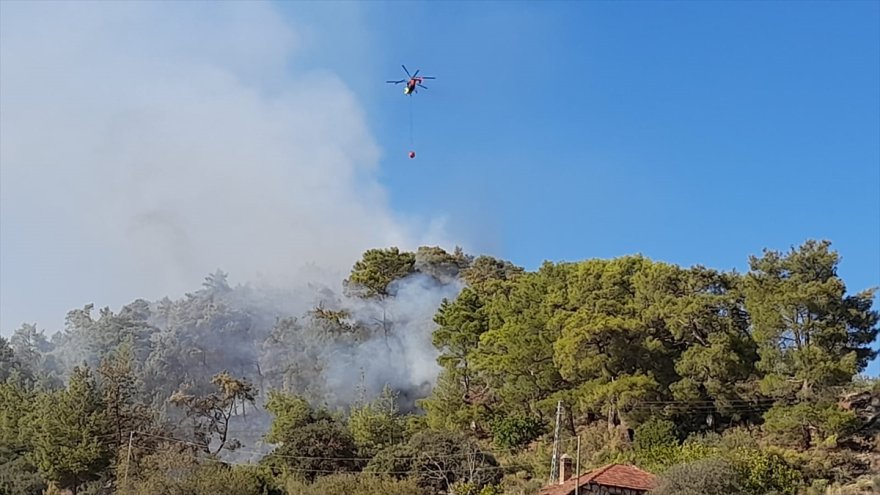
(655,433)
(600,445)
(513,432)
(352,484)
(764,472)
(703,477)
(656,446)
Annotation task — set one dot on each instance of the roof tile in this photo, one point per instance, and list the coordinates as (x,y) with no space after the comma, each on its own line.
(611,475)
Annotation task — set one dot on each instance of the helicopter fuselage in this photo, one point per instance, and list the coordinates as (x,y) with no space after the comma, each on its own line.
(413,81)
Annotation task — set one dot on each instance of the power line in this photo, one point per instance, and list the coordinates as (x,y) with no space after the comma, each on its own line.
(333,458)
(330,471)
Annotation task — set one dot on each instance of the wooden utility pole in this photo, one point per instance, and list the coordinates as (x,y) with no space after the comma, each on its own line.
(128,457)
(577,469)
(554,462)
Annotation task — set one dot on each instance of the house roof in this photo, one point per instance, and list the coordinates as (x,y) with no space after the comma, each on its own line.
(612,475)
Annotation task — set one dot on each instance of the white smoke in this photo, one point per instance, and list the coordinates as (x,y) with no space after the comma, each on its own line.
(144,145)
(406,359)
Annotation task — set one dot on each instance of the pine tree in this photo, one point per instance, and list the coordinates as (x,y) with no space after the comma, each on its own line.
(69,432)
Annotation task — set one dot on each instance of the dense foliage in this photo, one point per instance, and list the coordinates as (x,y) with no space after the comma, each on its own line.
(436,372)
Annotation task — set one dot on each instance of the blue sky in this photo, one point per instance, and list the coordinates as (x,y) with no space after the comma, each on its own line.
(690,132)
(136,135)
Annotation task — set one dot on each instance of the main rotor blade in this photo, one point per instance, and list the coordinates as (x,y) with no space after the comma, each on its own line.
(404,69)
(417,72)
(422,86)
(428,77)
(396,82)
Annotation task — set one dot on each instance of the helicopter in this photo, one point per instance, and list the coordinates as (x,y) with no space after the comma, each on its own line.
(414,80)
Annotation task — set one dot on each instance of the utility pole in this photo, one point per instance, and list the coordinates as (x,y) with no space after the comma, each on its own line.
(577,469)
(554,462)
(128,457)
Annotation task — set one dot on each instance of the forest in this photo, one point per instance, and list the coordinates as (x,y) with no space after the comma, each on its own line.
(436,372)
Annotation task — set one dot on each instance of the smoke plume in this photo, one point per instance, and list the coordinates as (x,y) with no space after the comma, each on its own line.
(145,145)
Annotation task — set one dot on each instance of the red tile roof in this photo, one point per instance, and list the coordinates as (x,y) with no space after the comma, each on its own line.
(612,475)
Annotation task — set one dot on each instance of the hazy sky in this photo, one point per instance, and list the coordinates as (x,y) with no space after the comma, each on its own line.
(143,145)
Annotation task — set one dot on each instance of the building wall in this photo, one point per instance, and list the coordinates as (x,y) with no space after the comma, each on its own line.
(592,489)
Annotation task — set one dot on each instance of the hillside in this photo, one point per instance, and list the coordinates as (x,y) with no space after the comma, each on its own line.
(437,372)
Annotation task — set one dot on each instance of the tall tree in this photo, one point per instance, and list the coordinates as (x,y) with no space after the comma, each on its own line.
(204,334)
(211,414)
(487,274)
(17,473)
(120,392)
(461,396)
(69,432)
(374,274)
(216,283)
(449,407)
(7,360)
(29,344)
(515,355)
(811,336)
(702,312)
(95,339)
(376,424)
(436,262)
(375,277)
(293,359)
(608,349)
(34,357)
(809,331)
(460,324)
